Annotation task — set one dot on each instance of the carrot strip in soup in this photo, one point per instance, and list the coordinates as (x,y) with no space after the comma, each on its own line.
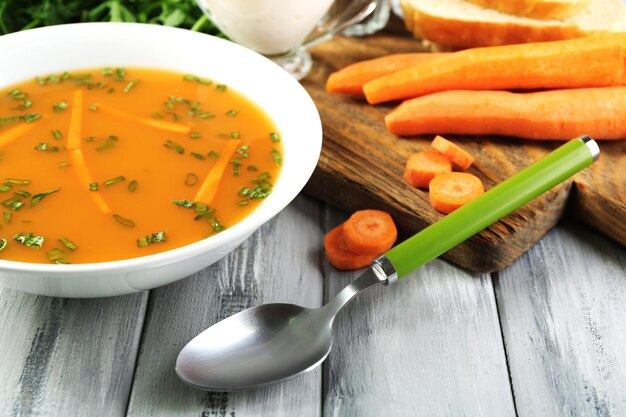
(350,79)
(13,133)
(369,232)
(422,167)
(76,122)
(453,152)
(557,114)
(450,191)
(524,66)
(159,124)
(209,186)
(78,163)
(339,255)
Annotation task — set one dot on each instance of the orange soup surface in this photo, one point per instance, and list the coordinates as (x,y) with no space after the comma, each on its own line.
(115,163)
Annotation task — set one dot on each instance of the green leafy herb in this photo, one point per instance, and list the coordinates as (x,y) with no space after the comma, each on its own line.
(31,117)
(3,244)
(68,243)
(213,154)
(221,87)
(16,181)
(242,151)
(231,113)
(22,193)
(174,146)
(60,106)
(108,143)
(114,180)
(56,134)
(93,107)
(244,202)
(30,240)
(261,187)
(58,256)
(275,137)
(14,203)
(5,187)
(235,135)
(194,135)
(38,197)
(200,80)
(123,221)
(130,86)
(252,168)
(7,216)
(93,186)
(46,148)
(197,155)
(277,158)
(184,203)
(157,237)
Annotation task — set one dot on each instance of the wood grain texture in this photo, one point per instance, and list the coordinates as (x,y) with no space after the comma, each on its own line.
(428,346)
(361,166)
(279,263)
(562,310)
(67,357)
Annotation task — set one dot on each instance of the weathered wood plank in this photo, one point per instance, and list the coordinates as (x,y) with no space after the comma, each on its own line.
(279,263)
(430,345)
(562,310)
(67,357)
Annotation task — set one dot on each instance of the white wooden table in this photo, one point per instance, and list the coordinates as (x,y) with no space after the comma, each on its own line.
(546,337)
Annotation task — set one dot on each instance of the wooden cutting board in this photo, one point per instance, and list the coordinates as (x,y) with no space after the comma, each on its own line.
(361,166)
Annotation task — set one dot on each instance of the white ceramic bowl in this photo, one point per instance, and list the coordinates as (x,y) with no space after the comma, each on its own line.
(88,45)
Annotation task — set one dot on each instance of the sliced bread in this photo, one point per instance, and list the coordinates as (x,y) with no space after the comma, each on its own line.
(536,9)
(464,24)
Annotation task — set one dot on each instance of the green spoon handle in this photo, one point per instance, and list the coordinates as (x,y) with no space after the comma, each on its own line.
(493,205)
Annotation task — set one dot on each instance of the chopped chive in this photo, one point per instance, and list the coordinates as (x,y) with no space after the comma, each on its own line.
(111,90)
(221,87)
(231,113)
(235,135)
(38,197)
(194,135)
(189,77)
(46,148)
(275,137)
(197,155)
(93,107)
(132,186)
(5,187)
(191,179)
(114,180)
(23,193)
(16,181)
(277,158)
(120,73)
(174,146)
(31,117)
(252,168)
(93,186)
(130,86)
(151,239)
(244,202)
(107,71)
(56,134)
(101,84)
(60,106)
(68,243)
(30,240)
(242,151)
(184,203)
(63,164)
(157,116)
(57,256)
(213,154)
(7,216)
(3,244)
(124,222)
(89,139)
(108,143)
(206,114)
(200,207)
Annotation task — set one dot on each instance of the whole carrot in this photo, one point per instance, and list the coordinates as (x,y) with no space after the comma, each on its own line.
(554,114)
(350,79)
(593,61)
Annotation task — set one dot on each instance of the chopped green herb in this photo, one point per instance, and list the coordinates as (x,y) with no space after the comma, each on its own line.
(101,84)
(235,135)
(191,77)
(206,114)
(221,87)
(120,73)
(124,222)
(10,119)
(3,244)
(231,113)
(31,117)
(194,135)
(191,179)
(58,256)
(64,164)
(30,240)
(60,106)
(5,187)
(151,239)
(261,189)
(275,137)
(277,158)
(16,181)
(23,193)
(184,203)
(107,71)
(197,155)
(108,143)
(6,216)
(114,180)
(93,107)
(174,146)
(252,168)
(242,151)
(89,139)
(46,148)
(14,203)
(56,134)
(213,154)
(132,186)
(157,116)
(38,197)
(93,186)
(68,243)
(111,90)
(244,202)
(201,207)
(130,86)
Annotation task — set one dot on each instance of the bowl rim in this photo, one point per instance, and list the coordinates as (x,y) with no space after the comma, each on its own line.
(238,231)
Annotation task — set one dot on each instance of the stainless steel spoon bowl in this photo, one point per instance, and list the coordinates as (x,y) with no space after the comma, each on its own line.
(275,342)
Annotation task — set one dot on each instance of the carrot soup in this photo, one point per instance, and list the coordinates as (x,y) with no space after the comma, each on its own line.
(113,163)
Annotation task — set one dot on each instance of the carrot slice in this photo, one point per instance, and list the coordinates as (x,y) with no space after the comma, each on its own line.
(422,167)
(13,133)
(209,186)
(369,232)
(159,124)
(339,255)
(450,191)
(76,122)
(350,79)
(453,152)
(510,67)
(555,114)
(78,162)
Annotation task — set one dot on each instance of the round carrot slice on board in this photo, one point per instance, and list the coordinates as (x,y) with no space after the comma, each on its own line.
(371,232)
(455,153)
(450,191)
(339,255)
(422,167)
